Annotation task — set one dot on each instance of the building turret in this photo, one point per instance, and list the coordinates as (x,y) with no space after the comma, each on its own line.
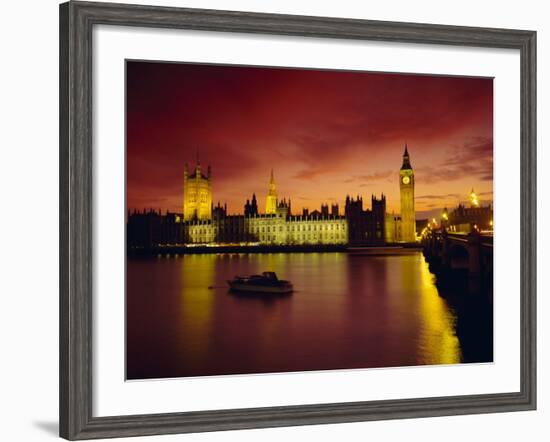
(271,199)
(219,212)
(197,194)
(282,209)
(251,207)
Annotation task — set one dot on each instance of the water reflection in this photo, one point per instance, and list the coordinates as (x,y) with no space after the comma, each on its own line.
(346,312)
(196,307)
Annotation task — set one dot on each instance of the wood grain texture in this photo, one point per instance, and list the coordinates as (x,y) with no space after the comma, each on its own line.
(76,245)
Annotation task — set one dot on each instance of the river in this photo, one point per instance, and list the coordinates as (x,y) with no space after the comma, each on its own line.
(346,312)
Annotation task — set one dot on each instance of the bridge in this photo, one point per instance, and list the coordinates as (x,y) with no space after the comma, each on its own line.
(459,255)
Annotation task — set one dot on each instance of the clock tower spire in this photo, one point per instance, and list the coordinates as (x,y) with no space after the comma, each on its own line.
(406,188)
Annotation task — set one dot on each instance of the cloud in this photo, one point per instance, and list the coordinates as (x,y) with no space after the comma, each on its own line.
(310,174)
(319,129)
(377,176)
(435,197)
(364,180)
(473,159)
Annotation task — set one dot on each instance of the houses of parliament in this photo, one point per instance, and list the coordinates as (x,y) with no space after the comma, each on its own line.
(202,223)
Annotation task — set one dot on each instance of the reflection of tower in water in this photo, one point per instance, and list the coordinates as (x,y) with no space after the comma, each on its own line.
(196,304)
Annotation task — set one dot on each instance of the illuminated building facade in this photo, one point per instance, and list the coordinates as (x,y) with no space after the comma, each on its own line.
(280,228)
(465,219)
(197,194)
(277,226)
(271,198)
(203,223)
(402,227)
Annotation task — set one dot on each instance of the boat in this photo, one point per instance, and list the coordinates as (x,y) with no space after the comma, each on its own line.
(267,282)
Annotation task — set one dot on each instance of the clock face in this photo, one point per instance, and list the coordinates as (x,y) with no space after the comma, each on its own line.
(406,180)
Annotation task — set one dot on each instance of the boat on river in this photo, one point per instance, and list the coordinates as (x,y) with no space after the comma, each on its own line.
(267,282)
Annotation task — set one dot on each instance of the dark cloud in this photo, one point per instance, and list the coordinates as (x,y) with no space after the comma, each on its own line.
(306,124)
(472,159)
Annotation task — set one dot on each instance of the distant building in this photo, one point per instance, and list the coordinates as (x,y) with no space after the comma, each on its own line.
(465,219)
(366,227)
(149,227)
(203,223)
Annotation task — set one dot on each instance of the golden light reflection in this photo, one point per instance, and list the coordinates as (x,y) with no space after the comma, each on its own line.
(197,275)
(438,342)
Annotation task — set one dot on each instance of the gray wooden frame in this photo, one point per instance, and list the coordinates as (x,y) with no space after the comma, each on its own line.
(76,243)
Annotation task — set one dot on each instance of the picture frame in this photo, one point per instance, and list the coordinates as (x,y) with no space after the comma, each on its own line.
(77,20)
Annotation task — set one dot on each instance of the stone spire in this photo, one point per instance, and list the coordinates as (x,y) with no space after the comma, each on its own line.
(406,159)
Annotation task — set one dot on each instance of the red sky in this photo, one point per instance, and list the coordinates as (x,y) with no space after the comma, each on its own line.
(326,134)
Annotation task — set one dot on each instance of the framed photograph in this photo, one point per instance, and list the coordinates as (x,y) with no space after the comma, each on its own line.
(271,220)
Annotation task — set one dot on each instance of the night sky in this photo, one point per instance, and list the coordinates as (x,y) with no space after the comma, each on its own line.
(326,134)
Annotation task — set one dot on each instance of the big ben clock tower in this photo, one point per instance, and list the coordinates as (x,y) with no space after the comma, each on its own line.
(406,187)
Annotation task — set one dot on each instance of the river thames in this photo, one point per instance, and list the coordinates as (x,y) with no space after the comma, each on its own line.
(346,312)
